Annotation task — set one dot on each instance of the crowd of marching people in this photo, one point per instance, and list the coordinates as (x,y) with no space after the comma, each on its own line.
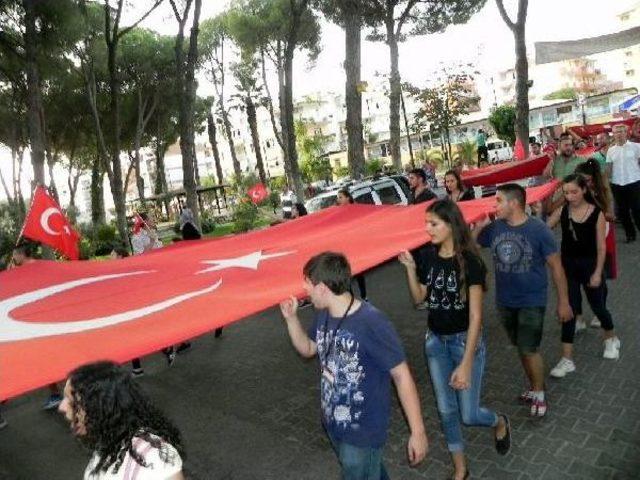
(359,352)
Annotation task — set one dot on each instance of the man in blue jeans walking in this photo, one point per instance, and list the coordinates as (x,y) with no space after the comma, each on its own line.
(359,353)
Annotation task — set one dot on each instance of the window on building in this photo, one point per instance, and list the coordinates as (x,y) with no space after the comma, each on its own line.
(549,117)
(565,109)
(628,53)
(624,17)
(630,73)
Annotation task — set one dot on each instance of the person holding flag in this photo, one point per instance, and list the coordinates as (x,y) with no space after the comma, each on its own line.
(145,236)
(23,255)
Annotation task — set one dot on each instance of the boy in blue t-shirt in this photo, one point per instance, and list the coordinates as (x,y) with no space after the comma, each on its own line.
(359,353)
(522,248)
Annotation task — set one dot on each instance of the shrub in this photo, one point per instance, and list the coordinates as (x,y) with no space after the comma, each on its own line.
(244,216)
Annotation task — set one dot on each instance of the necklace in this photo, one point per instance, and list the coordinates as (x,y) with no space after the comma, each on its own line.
(572,221)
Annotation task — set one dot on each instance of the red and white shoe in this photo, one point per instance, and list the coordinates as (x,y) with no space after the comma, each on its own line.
(526,397)
(538,407)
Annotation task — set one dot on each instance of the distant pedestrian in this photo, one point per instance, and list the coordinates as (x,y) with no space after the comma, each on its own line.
(420,191)
(344,197)
(481,143)
(456,190)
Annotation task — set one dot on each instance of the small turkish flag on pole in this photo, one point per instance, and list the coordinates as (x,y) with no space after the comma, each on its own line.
(257,193)
(45,223)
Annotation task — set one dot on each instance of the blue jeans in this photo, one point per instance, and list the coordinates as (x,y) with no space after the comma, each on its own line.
(359,463)
(444,353)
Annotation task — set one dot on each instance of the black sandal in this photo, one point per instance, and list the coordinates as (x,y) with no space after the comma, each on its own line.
(503,445)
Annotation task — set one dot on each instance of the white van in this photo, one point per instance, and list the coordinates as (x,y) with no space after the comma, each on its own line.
(392,190)
(499,150)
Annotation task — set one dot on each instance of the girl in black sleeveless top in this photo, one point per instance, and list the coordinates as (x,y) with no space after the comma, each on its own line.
(583,253)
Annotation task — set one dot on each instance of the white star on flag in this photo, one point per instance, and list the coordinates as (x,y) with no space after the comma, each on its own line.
(249,261)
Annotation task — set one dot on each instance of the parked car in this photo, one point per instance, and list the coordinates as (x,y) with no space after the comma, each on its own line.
(499,151)
(392,190)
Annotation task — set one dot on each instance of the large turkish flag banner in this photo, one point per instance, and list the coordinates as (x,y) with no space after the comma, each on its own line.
(47,224)
(55,316)
(505,172)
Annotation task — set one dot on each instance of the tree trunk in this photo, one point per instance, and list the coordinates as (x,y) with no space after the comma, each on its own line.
(407,131)
(5,187)
(98,215)
(196,169)
(352,63)
(117,191)
(160,186)
(140,124)
(72,181)
(394,92)
(211,130)
(522,86)
(51,161)
(289,136)
(283,122)
(139,179)
(186,87)
(237,169)
(522,67)
(131,169)
(34,99)
(272,116)
(255,139)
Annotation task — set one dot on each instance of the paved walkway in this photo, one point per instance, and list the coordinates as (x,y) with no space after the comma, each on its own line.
(248,406)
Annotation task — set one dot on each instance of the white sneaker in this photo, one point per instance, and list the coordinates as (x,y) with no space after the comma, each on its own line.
(563,367)
(595,323)
(611,349)
(580,325)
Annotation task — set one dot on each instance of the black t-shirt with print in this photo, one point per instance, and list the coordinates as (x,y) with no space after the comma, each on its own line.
(448,313)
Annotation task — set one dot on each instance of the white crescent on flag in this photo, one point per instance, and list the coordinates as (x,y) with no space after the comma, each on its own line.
(12,330)
(44,220)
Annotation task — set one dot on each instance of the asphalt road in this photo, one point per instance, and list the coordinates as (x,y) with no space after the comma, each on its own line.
(248,406)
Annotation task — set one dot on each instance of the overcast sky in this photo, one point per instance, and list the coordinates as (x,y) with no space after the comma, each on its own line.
(485,40)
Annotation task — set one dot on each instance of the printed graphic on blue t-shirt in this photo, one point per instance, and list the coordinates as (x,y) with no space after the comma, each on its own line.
(520,258)
(355,382)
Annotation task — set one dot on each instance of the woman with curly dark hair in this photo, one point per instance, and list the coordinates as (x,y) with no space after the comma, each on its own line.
(130,438)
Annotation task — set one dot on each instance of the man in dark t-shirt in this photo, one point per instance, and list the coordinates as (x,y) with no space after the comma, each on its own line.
(359,353)
(522,248)
(420,191)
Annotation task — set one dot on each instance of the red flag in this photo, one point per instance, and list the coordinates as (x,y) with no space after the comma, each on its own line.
(47,224)
(505,172)
(518,150)
(257,193)
(55,316)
